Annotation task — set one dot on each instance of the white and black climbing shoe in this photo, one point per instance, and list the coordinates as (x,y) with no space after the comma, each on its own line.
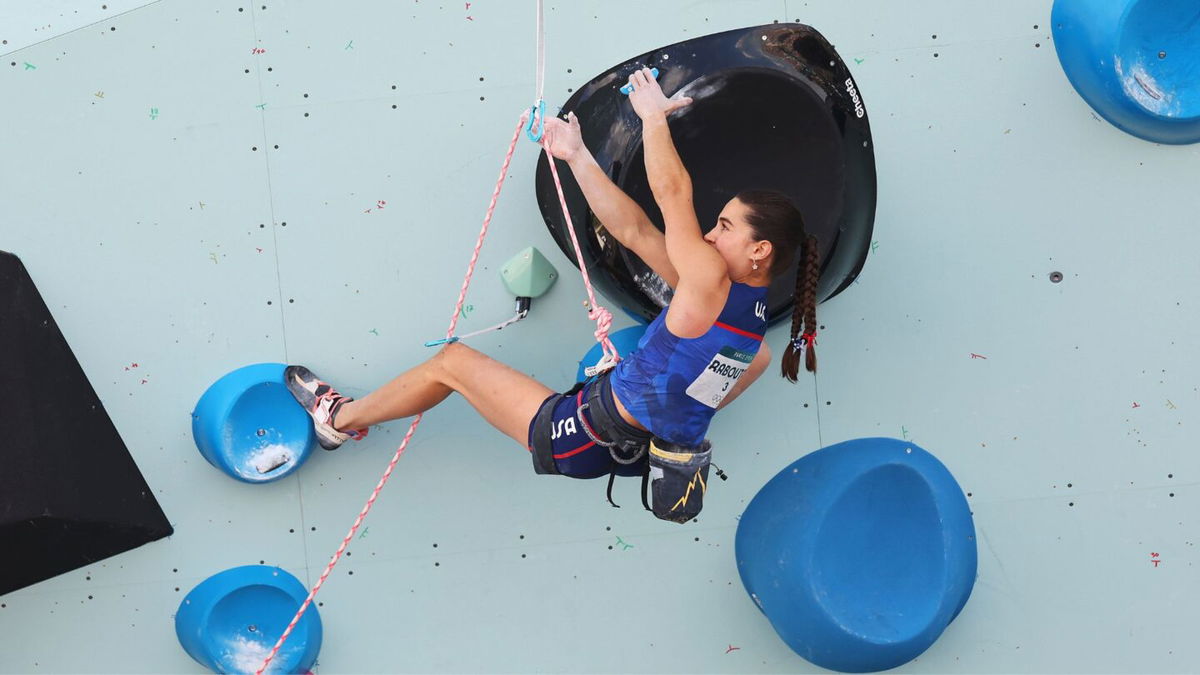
(321,402)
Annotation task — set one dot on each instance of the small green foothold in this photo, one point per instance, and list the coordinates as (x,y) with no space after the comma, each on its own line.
(528,274)
(858,60)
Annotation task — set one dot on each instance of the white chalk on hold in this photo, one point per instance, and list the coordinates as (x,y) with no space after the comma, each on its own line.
(247,655)
(271,457)
(701,88)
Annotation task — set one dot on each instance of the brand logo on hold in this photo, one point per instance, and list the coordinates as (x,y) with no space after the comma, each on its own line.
(565,427)
(858,106)
(760,310)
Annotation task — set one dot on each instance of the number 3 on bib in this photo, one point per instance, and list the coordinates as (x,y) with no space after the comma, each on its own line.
(715,381)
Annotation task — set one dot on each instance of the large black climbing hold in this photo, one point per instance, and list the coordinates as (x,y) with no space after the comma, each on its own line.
(773,107)
(70,494)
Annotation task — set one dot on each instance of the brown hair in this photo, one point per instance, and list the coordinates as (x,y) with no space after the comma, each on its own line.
(773,217)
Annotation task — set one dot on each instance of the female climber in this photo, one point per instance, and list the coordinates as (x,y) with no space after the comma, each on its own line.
(695,358)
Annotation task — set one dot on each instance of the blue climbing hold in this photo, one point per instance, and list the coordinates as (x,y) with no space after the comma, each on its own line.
(860,554)
(628,89)
(625,340)
(231,621)
(1136,62)
(248,425)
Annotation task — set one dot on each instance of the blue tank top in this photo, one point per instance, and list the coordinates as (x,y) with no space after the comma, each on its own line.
(673,385)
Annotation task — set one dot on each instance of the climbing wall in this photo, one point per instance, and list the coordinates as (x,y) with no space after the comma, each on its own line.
(195,187)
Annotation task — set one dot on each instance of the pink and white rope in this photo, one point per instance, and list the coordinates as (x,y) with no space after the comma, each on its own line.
(416,421)
(597,313)
(600,315)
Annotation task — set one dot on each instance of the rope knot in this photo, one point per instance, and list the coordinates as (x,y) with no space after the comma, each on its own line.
(603,319)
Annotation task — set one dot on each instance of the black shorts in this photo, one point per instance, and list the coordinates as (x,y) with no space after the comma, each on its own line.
(560,444)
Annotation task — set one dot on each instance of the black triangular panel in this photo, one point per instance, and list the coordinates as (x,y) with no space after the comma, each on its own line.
(70,493)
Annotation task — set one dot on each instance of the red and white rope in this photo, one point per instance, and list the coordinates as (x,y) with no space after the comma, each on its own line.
(416,421)
(600,315)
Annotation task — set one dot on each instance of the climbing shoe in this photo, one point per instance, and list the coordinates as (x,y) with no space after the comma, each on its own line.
(321,402)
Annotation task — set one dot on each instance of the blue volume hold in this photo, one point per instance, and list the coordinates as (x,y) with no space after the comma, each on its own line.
(1135,62)
(231,620)
(860,554)
(248,425)
(628,88)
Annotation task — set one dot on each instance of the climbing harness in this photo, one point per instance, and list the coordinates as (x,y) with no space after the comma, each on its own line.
(623,449)
(674,477)
(600,315)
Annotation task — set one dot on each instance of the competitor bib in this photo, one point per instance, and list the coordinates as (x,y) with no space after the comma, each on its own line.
(717,379)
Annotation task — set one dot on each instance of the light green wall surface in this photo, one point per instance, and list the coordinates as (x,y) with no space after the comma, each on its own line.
(232,227)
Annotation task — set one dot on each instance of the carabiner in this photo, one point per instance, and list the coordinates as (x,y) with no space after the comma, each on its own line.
(540,110)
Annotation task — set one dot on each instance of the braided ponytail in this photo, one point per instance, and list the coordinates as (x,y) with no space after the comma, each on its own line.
(774,217)
(804,313)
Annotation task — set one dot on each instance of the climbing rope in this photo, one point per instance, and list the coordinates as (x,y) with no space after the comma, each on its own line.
(600,315)
(416,421)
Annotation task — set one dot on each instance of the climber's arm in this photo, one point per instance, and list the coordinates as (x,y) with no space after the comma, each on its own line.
(757,366)
(623,217)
